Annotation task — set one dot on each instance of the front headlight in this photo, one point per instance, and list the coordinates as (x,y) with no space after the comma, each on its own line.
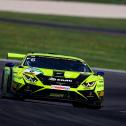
(89,84)
(31,79)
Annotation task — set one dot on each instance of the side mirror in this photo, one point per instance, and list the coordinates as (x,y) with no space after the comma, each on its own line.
(9,64)
(100,73)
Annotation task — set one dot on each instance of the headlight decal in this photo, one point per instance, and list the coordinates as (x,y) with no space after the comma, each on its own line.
(89,84)
(31,79)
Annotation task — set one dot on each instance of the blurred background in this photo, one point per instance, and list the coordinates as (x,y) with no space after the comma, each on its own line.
(97,1)
(94,32)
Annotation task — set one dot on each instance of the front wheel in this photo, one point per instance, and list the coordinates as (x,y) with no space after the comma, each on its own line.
(95,105)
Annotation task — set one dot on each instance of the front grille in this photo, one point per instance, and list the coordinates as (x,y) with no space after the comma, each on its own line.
(59,95)
(73,83)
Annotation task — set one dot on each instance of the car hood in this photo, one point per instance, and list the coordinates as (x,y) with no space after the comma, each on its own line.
(56,73)
(50,76)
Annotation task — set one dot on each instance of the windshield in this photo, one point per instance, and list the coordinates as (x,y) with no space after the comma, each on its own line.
(56,63)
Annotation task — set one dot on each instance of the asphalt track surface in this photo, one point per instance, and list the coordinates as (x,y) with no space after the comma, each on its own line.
(43,113)
(64,26)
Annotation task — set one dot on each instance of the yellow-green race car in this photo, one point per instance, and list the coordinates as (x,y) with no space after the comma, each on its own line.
(53,77)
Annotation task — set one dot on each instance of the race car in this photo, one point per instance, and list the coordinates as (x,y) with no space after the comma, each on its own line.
(53,77)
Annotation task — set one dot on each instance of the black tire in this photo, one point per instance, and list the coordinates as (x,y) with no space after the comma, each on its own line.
(95,105)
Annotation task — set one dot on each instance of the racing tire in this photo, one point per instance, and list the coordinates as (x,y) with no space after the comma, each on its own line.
(95,105)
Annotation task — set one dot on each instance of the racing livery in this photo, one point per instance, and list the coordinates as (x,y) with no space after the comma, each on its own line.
(53,77)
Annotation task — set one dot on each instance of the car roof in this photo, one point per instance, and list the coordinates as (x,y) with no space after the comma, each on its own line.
(55,55)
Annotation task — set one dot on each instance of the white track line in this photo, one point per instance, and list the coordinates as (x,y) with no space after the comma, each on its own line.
(123,112)
(9,60)
(109,70)
(65,8)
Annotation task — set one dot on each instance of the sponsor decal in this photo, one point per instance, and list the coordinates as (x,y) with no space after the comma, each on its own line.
(59,87)
(56,95)
(33,70)
(60,80)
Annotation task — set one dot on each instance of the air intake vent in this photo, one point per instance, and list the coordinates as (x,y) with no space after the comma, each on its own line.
(58,74)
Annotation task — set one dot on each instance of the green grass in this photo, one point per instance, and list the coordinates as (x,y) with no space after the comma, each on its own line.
(99,50)
(93,22)
(100,1)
